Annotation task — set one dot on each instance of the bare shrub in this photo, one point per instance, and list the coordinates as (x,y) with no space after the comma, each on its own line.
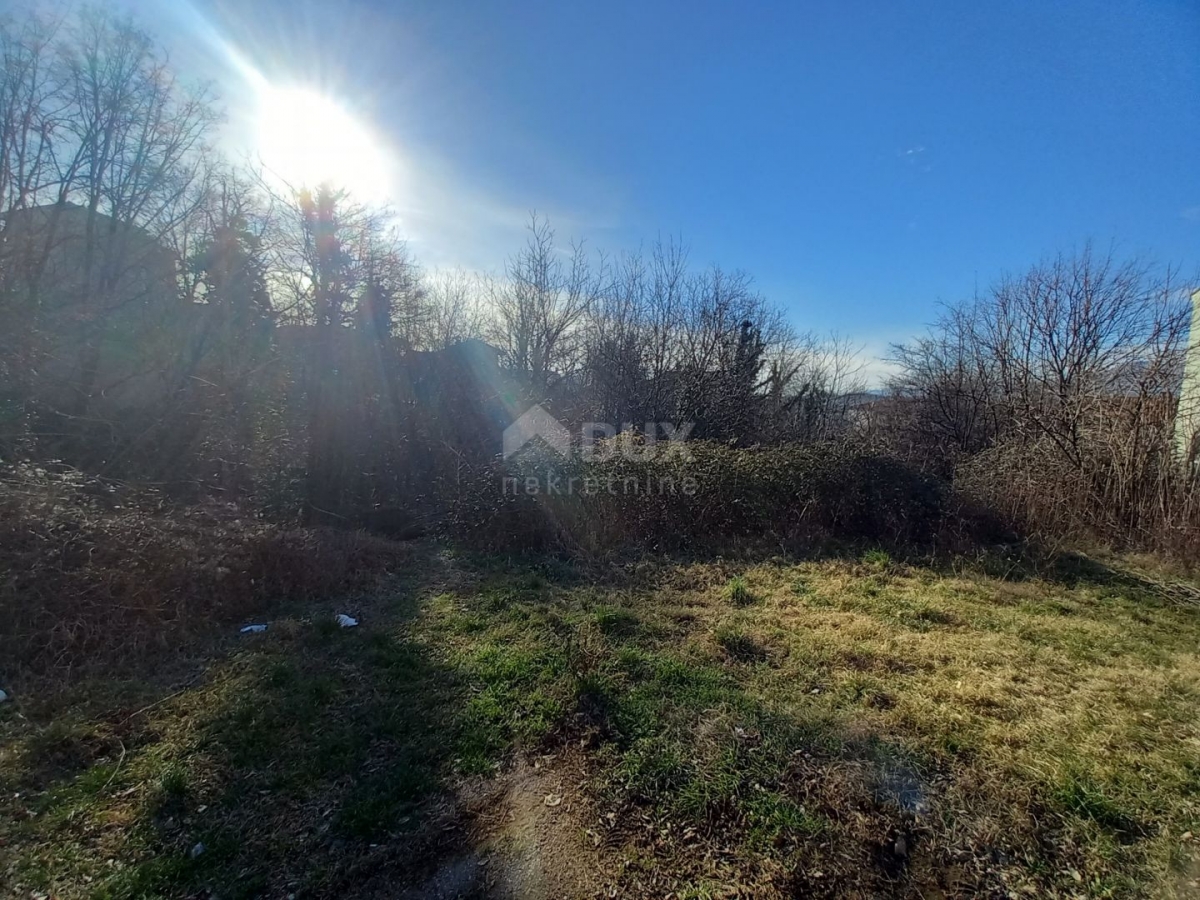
(1054,396)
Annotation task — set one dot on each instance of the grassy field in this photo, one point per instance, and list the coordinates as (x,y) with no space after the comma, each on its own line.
(839,727)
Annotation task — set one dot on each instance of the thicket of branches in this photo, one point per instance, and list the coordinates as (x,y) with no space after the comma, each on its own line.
(1053,399)
(168,316)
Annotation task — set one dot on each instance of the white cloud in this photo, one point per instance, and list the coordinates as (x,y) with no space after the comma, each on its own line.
(876,367)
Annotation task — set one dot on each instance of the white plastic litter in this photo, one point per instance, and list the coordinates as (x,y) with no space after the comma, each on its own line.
(196,851)
(3,696)
(253,629)
(346,621)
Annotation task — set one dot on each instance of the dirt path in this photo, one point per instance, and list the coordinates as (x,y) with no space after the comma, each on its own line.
(530,840)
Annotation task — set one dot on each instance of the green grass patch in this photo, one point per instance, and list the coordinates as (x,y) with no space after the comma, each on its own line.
(866,701)
(738,592)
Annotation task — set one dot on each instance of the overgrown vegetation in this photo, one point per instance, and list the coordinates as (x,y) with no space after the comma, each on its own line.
(702,497)
(833,644)
(1054,398)
(98,576)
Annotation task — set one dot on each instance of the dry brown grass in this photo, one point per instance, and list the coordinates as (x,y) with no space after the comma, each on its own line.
(94,574)
(1051,705)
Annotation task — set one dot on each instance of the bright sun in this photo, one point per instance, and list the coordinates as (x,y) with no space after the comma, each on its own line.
(306,138)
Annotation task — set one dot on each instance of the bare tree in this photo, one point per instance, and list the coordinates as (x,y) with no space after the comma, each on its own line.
(541,305)
(950,387)
(726,329)
(454,300)
(812,388)
(100,155)
(1060,386)
(29,100)
(28,86)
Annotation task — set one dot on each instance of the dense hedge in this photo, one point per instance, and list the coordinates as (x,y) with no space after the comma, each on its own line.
(707,498)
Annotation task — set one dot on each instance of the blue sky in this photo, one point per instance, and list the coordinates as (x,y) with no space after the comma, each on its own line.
(863,160)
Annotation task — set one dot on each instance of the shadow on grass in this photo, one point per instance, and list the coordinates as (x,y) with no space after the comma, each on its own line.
(283,772)
(313,760)
(1074,570)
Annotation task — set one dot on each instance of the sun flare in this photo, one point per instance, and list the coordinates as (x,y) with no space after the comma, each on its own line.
(306,138)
